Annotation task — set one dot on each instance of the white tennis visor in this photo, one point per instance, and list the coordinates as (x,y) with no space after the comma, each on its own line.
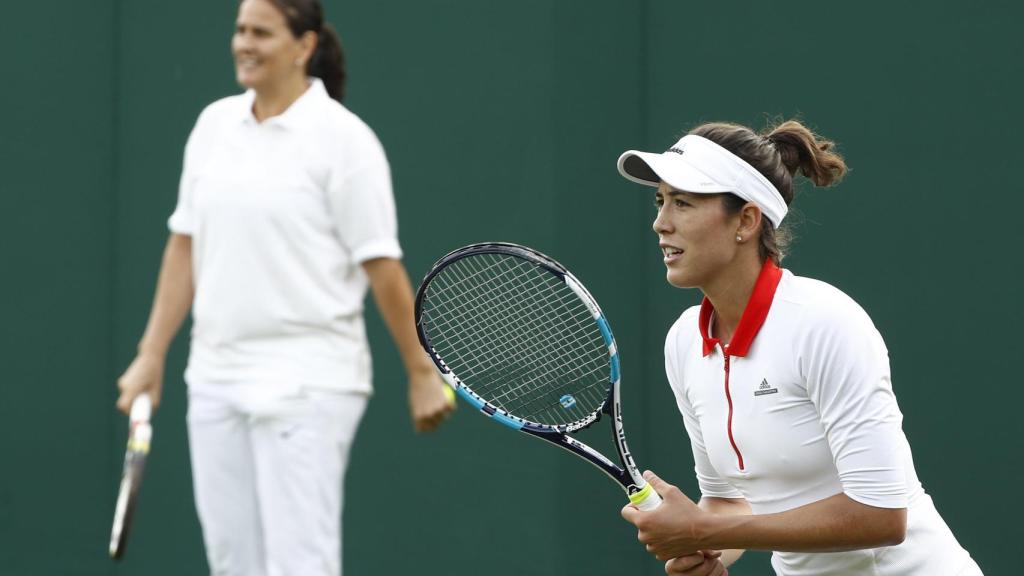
(698,165)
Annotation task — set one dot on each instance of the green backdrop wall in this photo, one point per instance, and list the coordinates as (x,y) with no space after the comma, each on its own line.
(503,121)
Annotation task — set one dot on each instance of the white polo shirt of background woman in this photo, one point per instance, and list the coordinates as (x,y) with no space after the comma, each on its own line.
(282,215)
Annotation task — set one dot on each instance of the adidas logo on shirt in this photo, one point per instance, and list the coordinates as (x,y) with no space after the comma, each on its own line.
(765,388)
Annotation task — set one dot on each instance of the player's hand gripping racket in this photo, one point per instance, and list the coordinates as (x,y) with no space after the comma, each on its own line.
(139,435)
(519,337)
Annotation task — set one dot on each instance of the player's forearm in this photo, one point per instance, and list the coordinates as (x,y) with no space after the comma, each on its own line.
(729,507)
(173,299)
(834,524)
(393,295)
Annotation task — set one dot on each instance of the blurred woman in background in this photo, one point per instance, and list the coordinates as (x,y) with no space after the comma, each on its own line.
(285,218)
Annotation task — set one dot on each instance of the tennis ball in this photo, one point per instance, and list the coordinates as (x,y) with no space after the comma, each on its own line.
(449,394)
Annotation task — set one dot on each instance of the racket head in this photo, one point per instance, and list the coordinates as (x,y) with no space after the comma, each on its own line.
(518,337)
(140,434)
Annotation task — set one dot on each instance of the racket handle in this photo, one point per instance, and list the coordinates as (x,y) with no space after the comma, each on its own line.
(142,408)
(646,499)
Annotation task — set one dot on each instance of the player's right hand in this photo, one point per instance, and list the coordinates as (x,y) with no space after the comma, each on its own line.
(428,402)
(673,529)
(144,374)
(702,563)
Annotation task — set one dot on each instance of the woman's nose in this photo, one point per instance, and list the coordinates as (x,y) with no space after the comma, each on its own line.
(661,224)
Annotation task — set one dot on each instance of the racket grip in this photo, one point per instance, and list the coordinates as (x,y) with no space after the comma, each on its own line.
(142,408)
(646,499)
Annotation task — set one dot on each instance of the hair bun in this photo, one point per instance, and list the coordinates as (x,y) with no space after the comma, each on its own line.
(803,150)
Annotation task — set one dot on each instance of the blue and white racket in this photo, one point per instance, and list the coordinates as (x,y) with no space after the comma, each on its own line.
(519,337)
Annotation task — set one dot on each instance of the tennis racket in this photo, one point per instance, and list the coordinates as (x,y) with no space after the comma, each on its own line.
(519,337)
(139,434)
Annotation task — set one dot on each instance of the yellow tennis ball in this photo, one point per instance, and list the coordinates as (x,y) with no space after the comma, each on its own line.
(449,394)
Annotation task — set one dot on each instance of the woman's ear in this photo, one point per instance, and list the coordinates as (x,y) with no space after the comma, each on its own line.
(750,222)
(308,41)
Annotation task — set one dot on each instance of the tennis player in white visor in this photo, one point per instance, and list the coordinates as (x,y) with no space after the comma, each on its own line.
(783,382)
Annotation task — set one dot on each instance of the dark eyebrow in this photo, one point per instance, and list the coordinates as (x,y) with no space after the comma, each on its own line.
(240,26)
(673,193)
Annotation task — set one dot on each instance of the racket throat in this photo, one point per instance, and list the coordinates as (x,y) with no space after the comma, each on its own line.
(598,460)
(631,479)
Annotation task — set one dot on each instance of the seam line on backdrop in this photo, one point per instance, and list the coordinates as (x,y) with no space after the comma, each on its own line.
(645,372)
(112,238)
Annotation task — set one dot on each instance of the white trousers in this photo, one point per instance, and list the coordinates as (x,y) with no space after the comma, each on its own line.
(267,471)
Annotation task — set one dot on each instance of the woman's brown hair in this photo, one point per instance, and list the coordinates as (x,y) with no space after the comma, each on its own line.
(778,153)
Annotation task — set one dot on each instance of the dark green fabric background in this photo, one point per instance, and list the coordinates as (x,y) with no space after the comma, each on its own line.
(502,121)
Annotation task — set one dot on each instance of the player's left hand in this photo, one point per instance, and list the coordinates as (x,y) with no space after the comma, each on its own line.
(703,563)
(428,403)
(671,530)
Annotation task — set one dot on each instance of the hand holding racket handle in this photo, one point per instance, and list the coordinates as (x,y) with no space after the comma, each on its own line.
(646,499)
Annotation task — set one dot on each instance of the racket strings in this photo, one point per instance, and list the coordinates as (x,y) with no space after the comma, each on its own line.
(532,324)
(489,304)
(504,395)
(519,337)
(517,344)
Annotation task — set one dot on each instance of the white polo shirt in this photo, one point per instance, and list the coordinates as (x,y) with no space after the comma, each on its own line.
(281,214)
(800,413)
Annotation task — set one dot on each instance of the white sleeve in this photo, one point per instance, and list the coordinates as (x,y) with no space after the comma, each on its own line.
(711,484)
(362,203)
(847,370)
(182,221)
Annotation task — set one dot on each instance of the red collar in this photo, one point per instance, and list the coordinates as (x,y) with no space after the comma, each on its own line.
(753,315)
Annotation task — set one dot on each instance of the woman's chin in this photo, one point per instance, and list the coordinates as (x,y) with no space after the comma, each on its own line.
(245,79)
(678,279)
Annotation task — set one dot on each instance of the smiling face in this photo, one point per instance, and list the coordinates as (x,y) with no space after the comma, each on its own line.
(696,235)
(267,55)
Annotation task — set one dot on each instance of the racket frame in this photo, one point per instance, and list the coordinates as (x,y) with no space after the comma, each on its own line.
(627,476)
